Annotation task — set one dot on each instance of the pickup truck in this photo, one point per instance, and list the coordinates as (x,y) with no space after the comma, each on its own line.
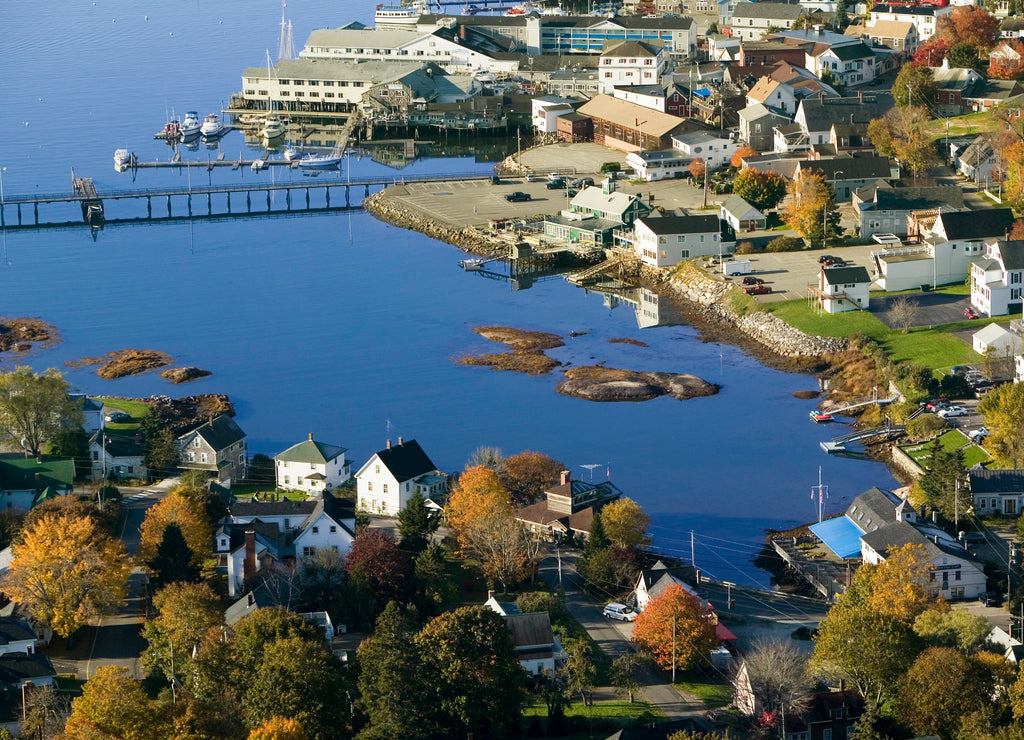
(517,197)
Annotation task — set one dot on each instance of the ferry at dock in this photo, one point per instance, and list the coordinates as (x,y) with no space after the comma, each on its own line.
(397,17)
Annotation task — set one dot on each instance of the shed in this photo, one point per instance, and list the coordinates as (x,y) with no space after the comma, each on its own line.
(996,341)
(741,215)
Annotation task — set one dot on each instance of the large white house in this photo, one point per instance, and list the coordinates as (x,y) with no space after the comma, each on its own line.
(944,243)
(544,112)
(665,241)
(997,278)
(311,466)
(842,289)
(389,478)
(714,150)
(997,491)
(631,63)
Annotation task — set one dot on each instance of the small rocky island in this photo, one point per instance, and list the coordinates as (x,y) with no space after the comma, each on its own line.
(594,383)
(21,334)
(590,383)
(126,362)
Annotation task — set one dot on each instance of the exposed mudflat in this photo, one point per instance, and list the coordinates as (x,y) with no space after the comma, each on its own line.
(527,355)
(593,383)
(628,340)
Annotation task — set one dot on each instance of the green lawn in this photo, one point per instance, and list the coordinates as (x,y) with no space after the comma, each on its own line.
(929,346)
(602,719)
(714,695)
(137,410)
(949,441)
(246,492)
(972,123)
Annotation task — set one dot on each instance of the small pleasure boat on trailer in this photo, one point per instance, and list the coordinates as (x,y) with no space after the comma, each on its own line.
(190,125)
(212,126)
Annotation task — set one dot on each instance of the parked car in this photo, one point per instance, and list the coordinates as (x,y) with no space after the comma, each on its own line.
(991,598)
(572,192)
(937,404)
(556,184)
(824,258)
(952,411)
(751,280)
(973,538)
(835,262)
(517,197)
(533,178)
(495,180)
(977,435)
(620,611)
(959,369)
(757,289)
(118,417)
(586,181)
(554,176)
(970,313)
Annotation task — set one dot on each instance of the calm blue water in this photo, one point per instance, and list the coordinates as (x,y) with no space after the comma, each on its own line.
(344,327)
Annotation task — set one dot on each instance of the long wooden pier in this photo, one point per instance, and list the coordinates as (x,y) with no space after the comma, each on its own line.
(92,201)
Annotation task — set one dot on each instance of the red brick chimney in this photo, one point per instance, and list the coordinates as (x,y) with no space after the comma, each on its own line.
(564,477)
(389,444)
(249,564)
(311,436)
(399,441)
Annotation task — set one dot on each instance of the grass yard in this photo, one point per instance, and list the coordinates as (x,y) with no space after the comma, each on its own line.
(929,346)
(972,123)
(137,410)
(604,718)
(246,492)
(952,440)
(714,695)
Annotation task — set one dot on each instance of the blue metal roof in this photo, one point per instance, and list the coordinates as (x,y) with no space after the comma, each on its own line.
(840,535)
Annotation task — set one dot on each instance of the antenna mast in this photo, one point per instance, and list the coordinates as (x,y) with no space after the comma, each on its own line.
(821,492)
(286,49)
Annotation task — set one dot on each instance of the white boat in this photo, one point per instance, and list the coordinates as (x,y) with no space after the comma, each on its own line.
(392,18)
(212,126)
(122,157)
(273,127)
(190,125)
(319,161)
(259,164)
(291,154)
(472,264)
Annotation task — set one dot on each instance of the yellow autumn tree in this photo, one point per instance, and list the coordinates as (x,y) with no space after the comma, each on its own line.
(66,571)
(811,210)
(480,512)
(279,728)
(113,705)
(189,517)
(900,586)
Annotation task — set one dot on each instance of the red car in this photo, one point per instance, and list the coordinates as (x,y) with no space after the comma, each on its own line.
(937,403)
(757,289)
(751,280)
(970,313)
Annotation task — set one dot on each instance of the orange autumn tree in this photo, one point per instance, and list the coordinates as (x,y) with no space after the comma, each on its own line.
(279,728)
(189,517)
(742,153)
(967,24)
(481,513)
(694,628)
(1003,67)
(900,586)
(66,571)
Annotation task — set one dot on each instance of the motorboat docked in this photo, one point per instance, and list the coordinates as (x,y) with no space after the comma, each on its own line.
(319,162)
(171,131)
(820,417)
(273,127)
(291,154)
(396,16)
(190,125)
(472,264)
(259,164)
(212,126)
(251,119)
(122,158)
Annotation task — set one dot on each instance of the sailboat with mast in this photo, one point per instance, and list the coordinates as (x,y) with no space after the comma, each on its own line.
(324,161)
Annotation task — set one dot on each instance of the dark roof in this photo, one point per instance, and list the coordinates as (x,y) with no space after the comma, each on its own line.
(652,575)
(19,472)
(574,117)
(1012,254)
(918,198)
(849,52)
(219,433)
(18,667)
(773,11)
(530,630)
(977,224)
(851,168)
(259,598)
(406,461)
(15,630)
(836,275)
(907,9)
(631,49)
(873,509)
(997,481)
(821,112)
(311,451)
(683,224)
(119,445)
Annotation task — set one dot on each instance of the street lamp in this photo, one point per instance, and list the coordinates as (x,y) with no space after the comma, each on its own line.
(640,127)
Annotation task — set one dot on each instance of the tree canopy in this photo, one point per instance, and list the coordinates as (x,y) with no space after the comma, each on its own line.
(914,85)
(114,706)
(812,210)
(189,517)
(385,567)
(675,612)
(35,407)
(1003,411)
(970,25)
(185,613)
(900,133)
(763,190)
(416,524)
(526,475)
(626,523)
(66,571)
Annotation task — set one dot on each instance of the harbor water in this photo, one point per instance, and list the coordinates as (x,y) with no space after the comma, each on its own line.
(348,328)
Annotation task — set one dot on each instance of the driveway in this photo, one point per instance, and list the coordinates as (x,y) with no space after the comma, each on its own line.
(933,308)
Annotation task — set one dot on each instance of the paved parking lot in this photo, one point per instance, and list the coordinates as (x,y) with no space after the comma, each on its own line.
(933,308)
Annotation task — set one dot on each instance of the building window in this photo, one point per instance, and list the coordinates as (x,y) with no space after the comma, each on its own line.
(308,552)
(369,485)
(333,529)
(385,488)
(316,530)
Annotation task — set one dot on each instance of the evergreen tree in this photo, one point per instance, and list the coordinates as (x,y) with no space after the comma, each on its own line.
(173,559)
(842,19)
(597,540)
(416,524)
(945,482)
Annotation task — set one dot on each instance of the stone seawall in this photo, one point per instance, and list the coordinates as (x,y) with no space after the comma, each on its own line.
(710,298)
(713,297)
(469,238)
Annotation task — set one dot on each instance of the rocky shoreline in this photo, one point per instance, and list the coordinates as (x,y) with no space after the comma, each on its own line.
(701,301)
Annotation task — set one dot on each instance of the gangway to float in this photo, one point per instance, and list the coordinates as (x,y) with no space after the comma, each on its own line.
(861,404)
(838,444)
(594,270)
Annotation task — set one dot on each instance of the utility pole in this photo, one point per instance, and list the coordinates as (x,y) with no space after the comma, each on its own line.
(673,648)
(558,551)
(693,558)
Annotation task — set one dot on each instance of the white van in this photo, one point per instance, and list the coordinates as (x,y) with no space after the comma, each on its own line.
(619,611)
